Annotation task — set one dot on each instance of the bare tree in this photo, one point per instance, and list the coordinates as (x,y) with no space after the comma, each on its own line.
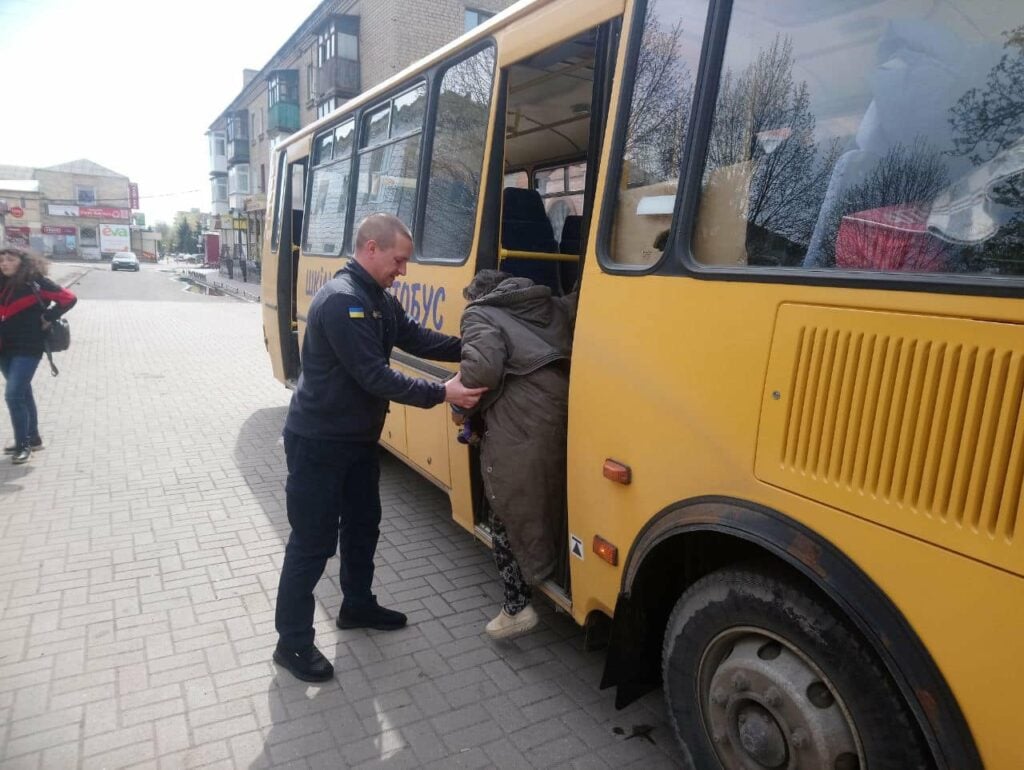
(662,96)
(764,127)
(988,121)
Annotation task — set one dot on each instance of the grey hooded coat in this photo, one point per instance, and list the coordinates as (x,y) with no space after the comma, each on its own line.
(517,342)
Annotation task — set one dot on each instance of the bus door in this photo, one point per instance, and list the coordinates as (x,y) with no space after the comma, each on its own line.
(554,118)
(291,213)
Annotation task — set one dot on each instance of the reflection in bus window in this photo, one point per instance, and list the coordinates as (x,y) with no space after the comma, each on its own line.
(659,116)
(328,204)
(457,158)
(899,146)
(388,172)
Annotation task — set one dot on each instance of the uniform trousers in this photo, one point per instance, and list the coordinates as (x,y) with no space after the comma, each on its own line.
(333,501)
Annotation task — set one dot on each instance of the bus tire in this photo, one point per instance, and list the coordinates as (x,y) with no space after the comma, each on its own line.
(759,671)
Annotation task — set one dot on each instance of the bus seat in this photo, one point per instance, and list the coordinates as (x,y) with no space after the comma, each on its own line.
(571,235)
(571,243)
(525,227)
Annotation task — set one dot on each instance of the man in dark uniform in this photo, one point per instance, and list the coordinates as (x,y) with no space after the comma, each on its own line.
(331,433)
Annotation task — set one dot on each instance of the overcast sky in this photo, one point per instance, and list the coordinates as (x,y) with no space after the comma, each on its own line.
(131,84)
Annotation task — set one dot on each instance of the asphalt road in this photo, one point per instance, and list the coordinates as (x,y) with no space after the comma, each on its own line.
(151,282)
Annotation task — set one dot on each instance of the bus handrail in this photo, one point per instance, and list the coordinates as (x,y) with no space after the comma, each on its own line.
(504,254)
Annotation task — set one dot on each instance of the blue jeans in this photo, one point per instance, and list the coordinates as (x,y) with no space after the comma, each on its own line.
(333,501)
(18,371)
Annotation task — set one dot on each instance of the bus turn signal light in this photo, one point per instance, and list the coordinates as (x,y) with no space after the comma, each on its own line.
(617,472)
(606,550)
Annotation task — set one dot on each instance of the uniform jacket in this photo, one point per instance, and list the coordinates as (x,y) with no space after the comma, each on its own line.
(517,341)
(346,380)
(21,328)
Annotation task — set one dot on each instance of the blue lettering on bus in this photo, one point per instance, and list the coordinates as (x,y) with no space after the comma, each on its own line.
(315,279)
(422,301)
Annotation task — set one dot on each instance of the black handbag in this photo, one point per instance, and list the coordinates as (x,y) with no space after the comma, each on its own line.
(57,337)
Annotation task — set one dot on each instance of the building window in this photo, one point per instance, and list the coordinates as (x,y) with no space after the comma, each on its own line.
(310,83)
(219,189)
(475,18)
(326,108)
(338,39)
(283,87)
(263,177)
(88,236)
(217,144)
(85,196)
(238,180)
(238,126)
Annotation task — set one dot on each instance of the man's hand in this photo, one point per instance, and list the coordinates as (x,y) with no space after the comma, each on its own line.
(45,324)
(457,393)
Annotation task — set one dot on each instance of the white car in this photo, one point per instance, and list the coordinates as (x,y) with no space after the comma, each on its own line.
(124,260)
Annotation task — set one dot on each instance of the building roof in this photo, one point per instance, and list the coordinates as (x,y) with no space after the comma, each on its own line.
(19,185)
(16,172)
(83,166)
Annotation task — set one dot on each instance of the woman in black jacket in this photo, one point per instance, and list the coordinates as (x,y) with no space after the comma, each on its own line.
(29,303)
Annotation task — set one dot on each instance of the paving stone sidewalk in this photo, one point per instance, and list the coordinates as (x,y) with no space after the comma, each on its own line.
(139,557)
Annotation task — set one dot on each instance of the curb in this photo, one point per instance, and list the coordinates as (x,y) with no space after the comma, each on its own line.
(229,290)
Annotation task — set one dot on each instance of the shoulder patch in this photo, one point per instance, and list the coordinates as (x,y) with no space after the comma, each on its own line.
(356,312)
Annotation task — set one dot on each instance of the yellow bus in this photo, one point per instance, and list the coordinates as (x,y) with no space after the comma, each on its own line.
(796,421)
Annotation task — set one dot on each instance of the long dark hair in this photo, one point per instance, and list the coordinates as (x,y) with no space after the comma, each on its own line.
(32,267)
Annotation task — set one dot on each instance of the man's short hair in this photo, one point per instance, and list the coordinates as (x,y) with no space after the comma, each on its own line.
(382,228)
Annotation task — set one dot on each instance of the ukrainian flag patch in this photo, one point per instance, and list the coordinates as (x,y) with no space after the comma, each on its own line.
(356,312)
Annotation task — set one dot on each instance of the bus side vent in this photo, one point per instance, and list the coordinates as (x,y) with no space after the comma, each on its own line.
(913,421)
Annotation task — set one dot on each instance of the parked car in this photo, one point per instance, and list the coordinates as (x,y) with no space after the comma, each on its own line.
(124,260)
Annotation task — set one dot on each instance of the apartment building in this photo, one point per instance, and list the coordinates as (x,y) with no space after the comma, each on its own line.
(343,48)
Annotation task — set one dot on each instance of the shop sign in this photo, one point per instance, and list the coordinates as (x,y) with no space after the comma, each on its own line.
(17,212)
(102,212)
(114,237)
(18,236)
(58,230)
(133,195)
(61,210)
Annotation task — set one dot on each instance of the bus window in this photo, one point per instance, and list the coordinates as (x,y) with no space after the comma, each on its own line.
(457,158)
(896,146)
(549,110)
(659,117)
(518,179)
(561,189)
(328,203)
(389,156)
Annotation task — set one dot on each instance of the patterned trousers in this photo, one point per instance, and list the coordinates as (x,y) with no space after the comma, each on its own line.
(517,590)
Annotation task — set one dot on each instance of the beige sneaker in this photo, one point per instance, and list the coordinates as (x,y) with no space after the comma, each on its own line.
(506,626)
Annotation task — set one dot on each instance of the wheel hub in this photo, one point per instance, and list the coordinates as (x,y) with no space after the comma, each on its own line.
(760,735)
(768,707)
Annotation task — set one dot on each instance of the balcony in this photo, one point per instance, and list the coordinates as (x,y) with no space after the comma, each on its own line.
(338,78)
(283,118)
(238,150)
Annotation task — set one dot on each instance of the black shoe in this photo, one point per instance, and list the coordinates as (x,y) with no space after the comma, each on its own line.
(371,615)
(309,664)
(35,445)
(21,456)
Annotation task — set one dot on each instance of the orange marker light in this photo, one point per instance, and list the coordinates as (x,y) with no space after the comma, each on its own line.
(617,471)
(606,550)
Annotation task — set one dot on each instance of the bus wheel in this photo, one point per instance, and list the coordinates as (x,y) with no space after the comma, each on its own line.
(760,673)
